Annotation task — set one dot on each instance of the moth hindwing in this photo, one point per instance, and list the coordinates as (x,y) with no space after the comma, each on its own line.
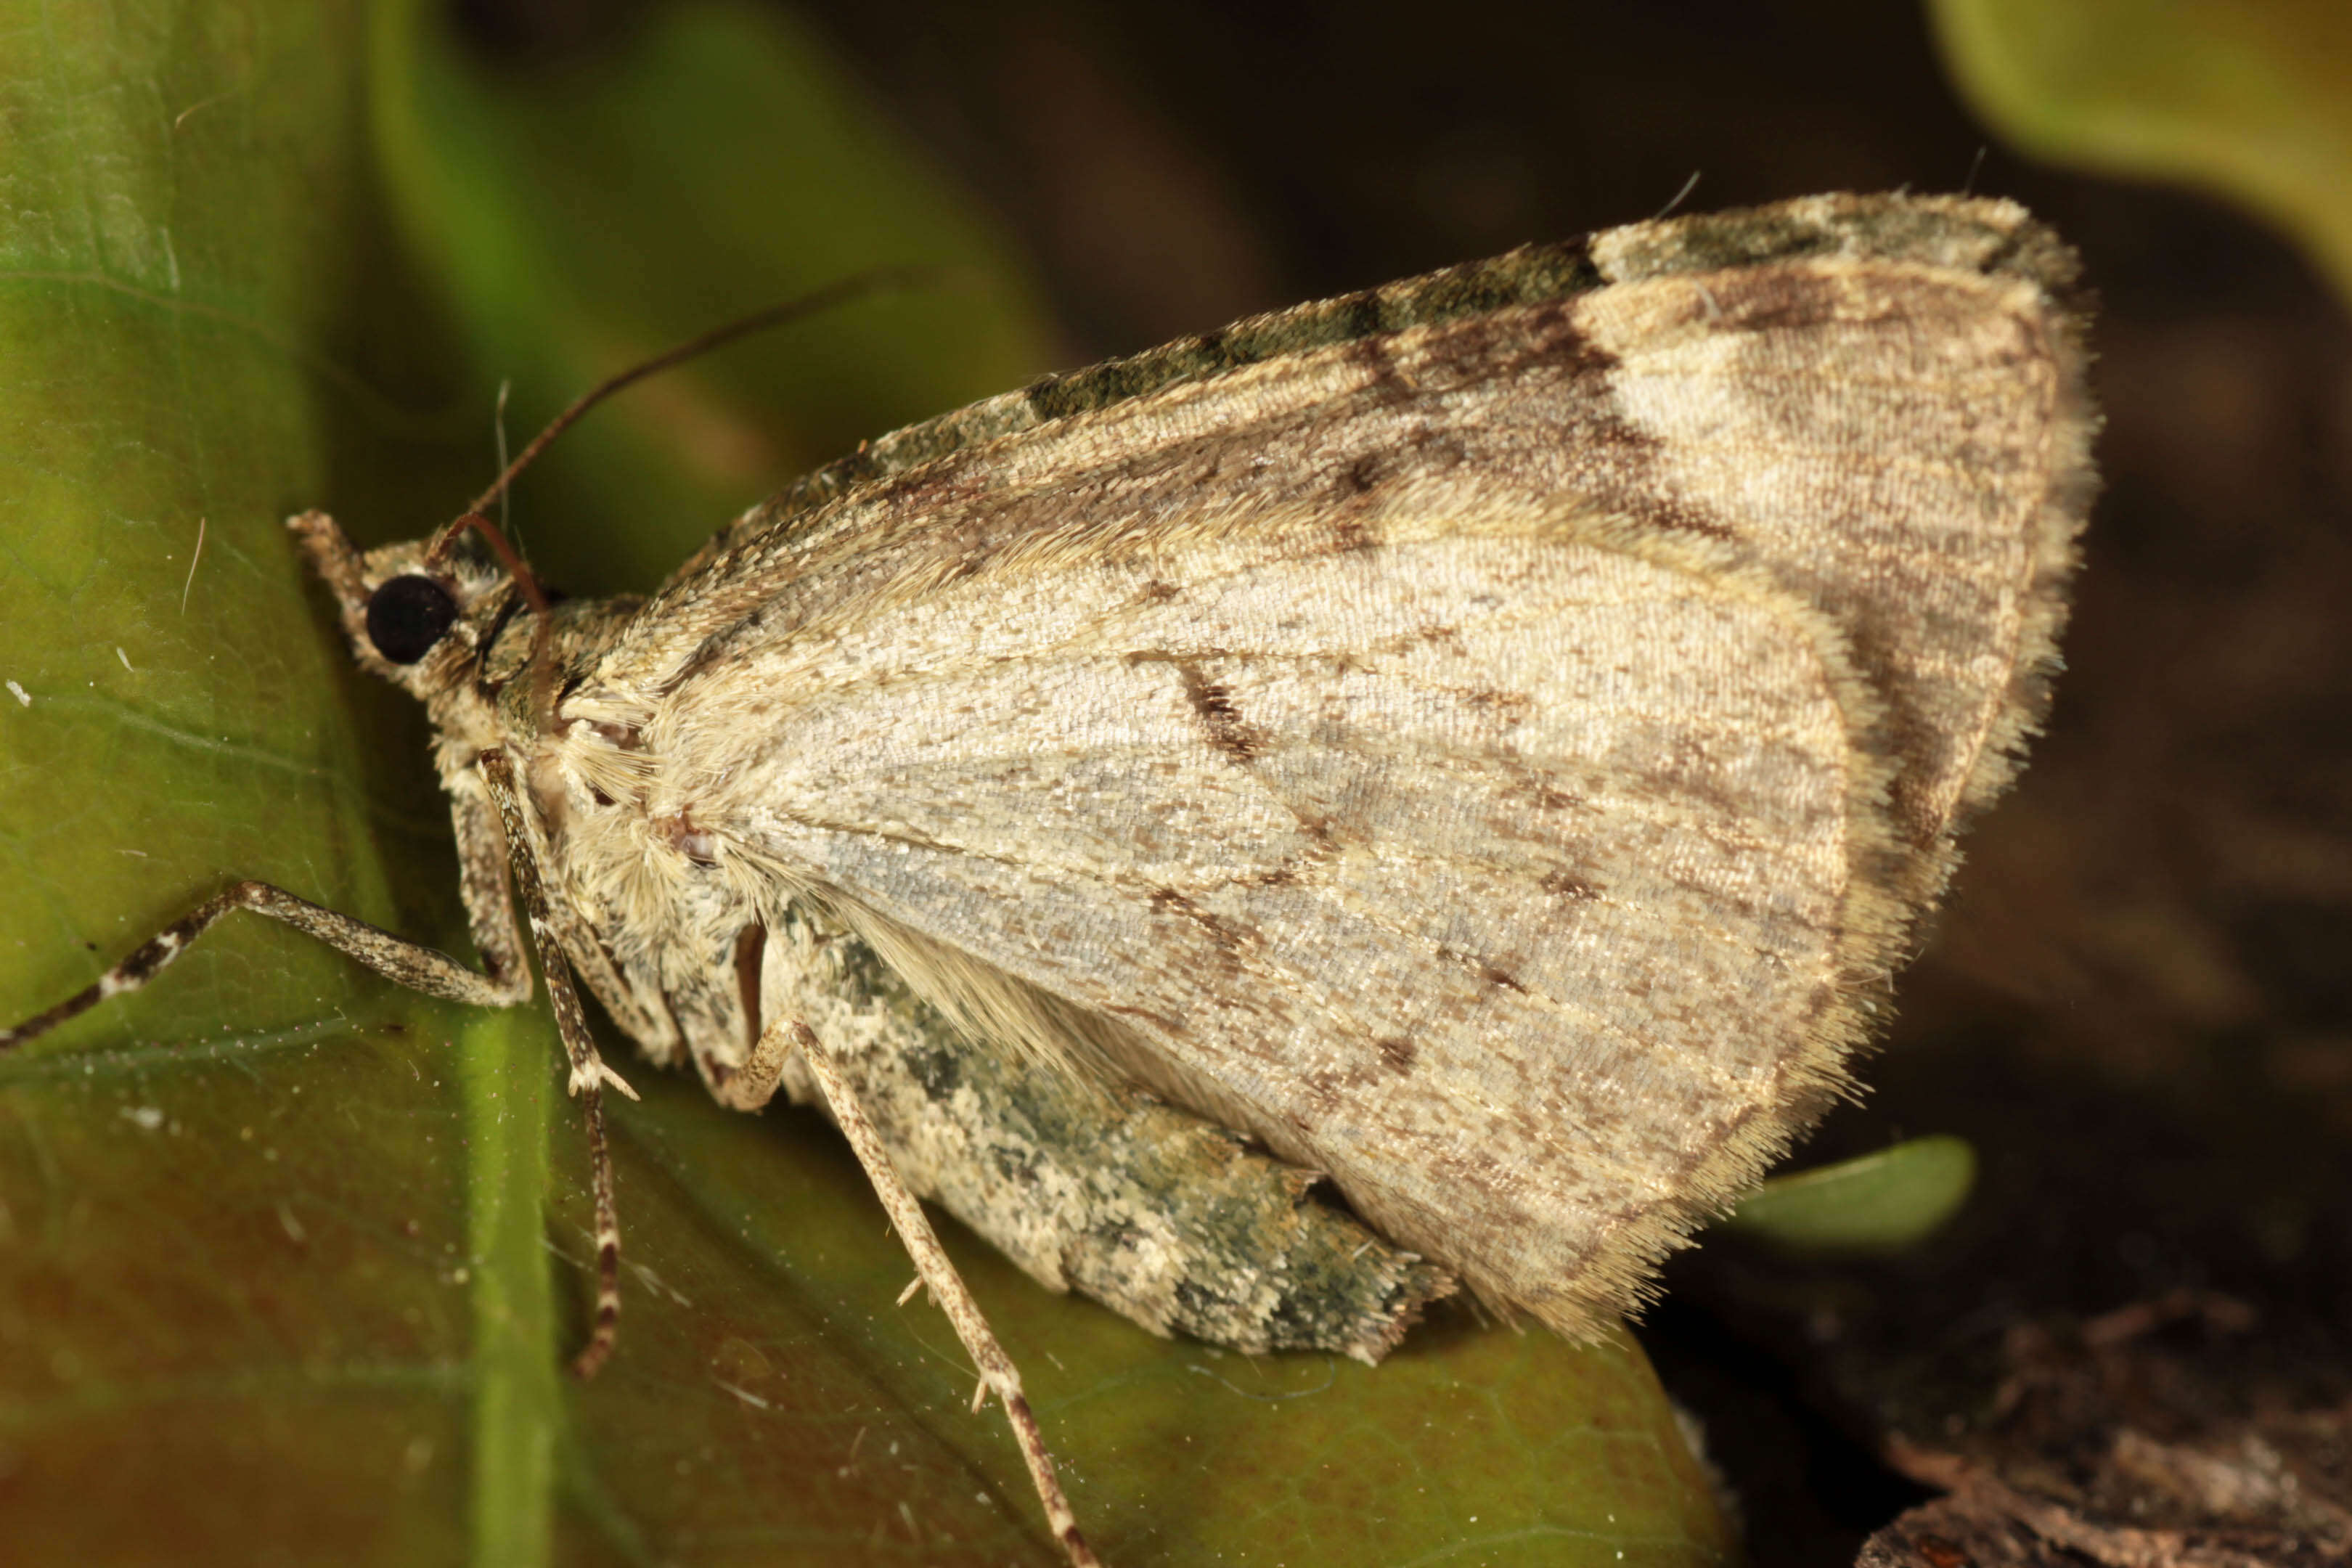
(1484,743)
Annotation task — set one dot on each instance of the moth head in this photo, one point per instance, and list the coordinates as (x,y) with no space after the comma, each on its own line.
(425,614)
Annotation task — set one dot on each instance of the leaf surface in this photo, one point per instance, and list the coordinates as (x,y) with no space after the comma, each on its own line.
(291,1261)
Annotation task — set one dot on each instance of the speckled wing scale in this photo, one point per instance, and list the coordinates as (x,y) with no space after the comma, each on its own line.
(1486,742)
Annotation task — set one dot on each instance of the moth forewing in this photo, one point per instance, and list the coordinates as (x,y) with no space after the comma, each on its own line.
(1484,739)
(1202,805)
(1357,902)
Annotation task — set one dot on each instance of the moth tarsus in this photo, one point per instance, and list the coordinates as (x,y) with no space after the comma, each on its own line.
(1480,738)
(605,1323)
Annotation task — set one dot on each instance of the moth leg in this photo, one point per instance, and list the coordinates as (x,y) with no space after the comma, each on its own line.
(504,980)
(750,1086)
(588,1072)
(996,1368)
(411,965)
(588,1077)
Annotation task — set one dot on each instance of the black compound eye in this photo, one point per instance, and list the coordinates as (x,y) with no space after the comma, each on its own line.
(406,616)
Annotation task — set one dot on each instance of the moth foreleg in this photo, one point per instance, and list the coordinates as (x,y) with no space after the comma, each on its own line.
(503,981)
(411,965)
(997,1371)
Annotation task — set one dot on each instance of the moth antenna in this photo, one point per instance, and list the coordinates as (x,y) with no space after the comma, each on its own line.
(505,499)
(857,287)
(847,289)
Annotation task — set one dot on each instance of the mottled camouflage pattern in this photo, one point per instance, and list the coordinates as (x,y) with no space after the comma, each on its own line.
(1172,1221)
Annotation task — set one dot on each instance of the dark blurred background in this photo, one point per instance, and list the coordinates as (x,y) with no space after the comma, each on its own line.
(2138,1003)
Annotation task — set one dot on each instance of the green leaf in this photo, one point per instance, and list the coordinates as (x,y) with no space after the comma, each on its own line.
(1886,1202)
(291,1261)
(2245,98)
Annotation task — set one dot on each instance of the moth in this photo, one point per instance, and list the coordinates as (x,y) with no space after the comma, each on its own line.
(1484,743)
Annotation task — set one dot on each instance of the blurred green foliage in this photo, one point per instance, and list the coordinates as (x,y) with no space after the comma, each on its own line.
(1885,1202)
(2247,100)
